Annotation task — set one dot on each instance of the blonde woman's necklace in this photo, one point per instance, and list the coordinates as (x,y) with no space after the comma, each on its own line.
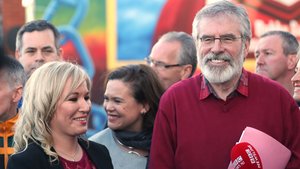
(73,157)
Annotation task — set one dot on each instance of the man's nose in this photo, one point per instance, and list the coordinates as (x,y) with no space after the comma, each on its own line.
(217,46)
(259,59)
(39,56)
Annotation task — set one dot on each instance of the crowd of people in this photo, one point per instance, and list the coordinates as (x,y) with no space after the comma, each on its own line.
(161,115)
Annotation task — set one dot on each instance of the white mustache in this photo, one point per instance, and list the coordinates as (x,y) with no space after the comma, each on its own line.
(212,56)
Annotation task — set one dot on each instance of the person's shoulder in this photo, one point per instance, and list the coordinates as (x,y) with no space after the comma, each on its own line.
(187,84)
(183,88)
(191,81)
(101,134)
(263,82)
(26,158)
(32,150)
(266,87)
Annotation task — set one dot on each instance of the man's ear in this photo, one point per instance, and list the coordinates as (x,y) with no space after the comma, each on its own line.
(247,46)
(17,95)
(17,54)
(292,61)
(146,108)
(186,71)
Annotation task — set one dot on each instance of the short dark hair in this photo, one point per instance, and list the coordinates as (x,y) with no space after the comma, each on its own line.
(145,87)
(289,41)
(12,70)
(36,25)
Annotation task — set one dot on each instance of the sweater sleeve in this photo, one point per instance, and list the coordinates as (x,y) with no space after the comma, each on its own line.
(292,131)
(163,144)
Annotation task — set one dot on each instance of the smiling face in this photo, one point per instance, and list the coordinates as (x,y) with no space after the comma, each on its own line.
(72,113)
(219,61)
(296,83)
(123,111)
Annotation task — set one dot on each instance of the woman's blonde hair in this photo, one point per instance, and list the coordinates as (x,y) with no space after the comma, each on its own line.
(42,92)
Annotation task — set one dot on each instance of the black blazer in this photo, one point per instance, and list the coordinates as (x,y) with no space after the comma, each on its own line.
(34,157)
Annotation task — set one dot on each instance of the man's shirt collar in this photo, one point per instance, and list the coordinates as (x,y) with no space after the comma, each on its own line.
(242,88)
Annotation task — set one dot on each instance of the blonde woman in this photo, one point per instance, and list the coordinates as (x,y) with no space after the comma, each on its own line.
(54,115)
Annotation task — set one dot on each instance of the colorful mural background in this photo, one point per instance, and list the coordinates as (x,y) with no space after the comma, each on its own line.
(119,32)
(82,24)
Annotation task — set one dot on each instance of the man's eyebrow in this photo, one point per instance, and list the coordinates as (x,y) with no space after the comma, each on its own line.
(268,50)
(30,48)
(228,34)
(47,47)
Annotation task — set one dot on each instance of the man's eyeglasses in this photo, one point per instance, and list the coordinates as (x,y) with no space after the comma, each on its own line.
(159,64)
(224,39)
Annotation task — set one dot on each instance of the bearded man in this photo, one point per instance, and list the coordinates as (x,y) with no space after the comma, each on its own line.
(200,119)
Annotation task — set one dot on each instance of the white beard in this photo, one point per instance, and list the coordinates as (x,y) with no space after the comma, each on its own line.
(221,74)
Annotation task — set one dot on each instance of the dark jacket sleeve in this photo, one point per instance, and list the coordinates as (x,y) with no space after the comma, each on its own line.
(32,158)
(15,162)
(35,158)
